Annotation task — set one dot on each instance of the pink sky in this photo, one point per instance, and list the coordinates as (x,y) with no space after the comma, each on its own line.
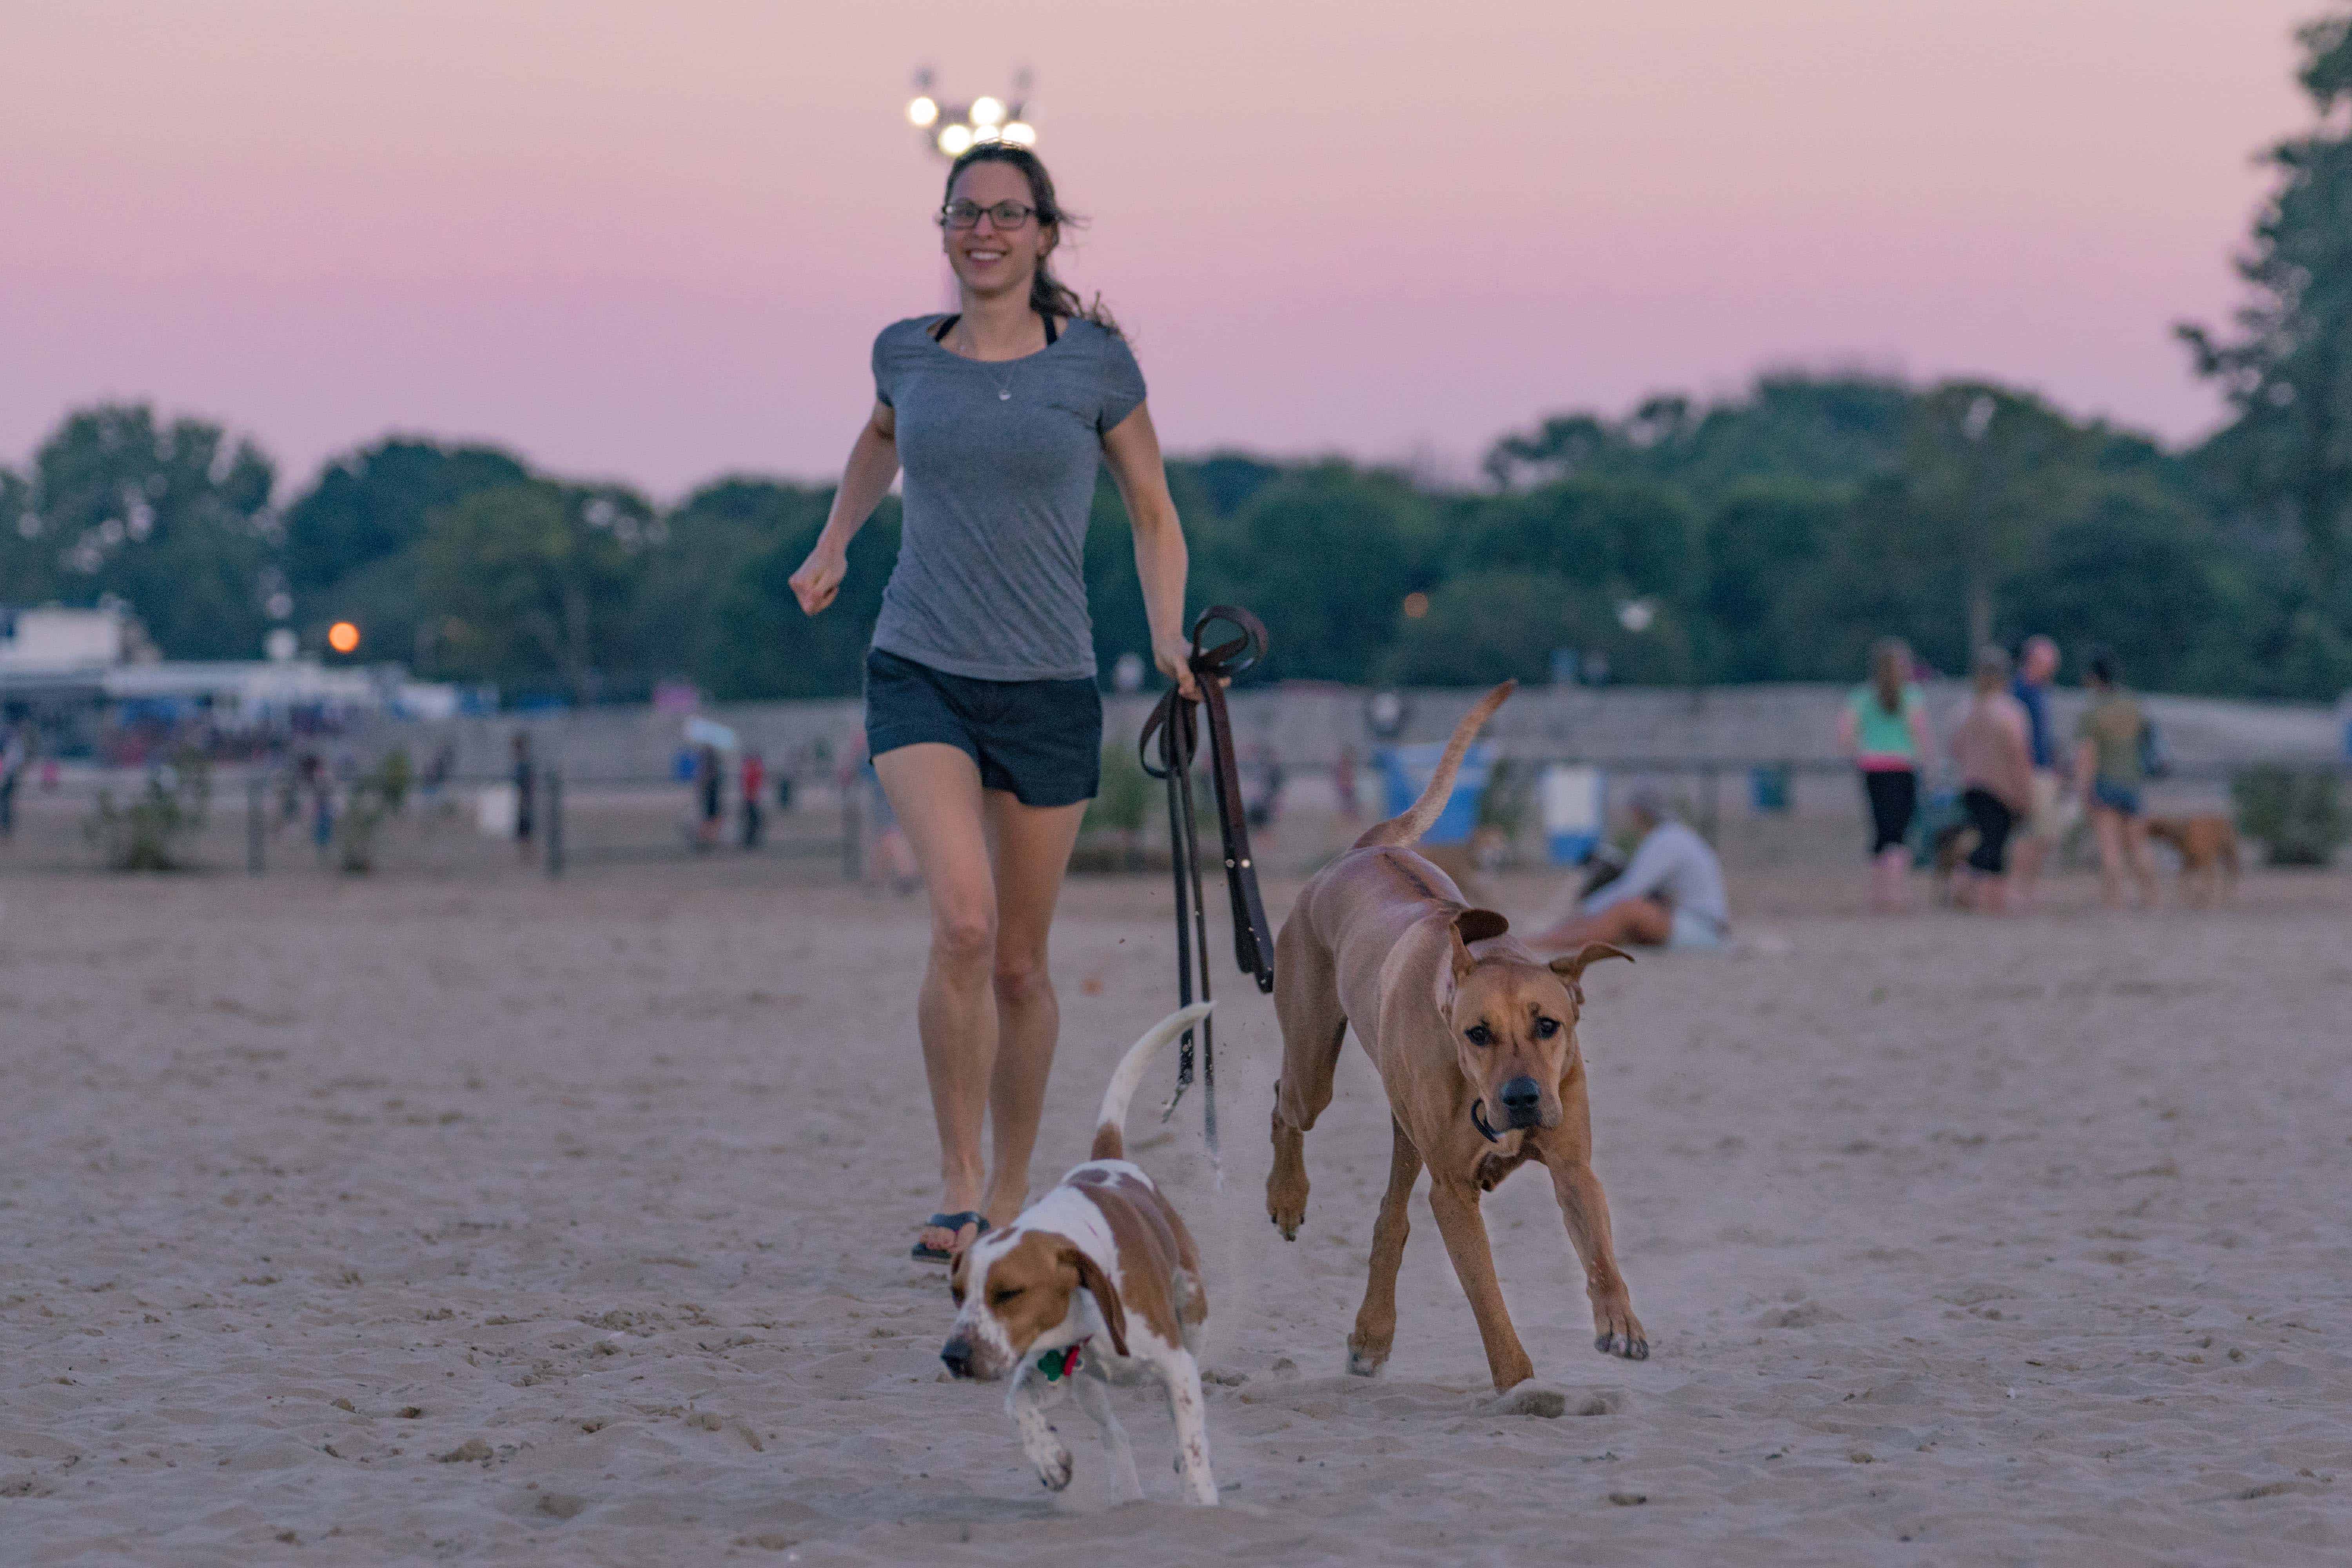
(654,242)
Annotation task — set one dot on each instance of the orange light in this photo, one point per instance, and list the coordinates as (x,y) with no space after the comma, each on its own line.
(343,637)
(1415,607)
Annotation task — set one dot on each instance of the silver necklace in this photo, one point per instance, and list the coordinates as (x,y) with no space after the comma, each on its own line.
(1005,382)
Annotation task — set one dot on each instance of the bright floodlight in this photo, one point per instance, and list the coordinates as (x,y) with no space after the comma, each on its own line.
(343,637)
(1019,133)
(988,112)
(986,134)
(923,114)
(956,141)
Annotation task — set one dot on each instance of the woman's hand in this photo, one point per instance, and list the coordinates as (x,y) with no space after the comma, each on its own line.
(819,579)
(1173,655)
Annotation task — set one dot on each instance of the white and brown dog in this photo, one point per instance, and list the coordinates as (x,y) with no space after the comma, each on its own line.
(1097,1283)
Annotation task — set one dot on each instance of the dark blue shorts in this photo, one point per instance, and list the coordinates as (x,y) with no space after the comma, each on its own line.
(2116,796)
(1039,740)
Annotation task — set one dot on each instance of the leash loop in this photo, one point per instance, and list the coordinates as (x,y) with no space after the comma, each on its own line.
(1175,725)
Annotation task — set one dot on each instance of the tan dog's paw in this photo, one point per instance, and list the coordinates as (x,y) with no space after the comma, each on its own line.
(1286,1184)
(1366,1361)
(1494,1167)
(1618,1331)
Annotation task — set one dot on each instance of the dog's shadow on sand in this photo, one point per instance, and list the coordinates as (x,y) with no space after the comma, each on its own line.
(938,1502)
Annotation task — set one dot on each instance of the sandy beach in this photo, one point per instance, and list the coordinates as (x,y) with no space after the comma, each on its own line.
(492,1219)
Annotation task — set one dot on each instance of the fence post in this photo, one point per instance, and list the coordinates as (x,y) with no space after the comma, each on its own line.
(256,787)
(555,822)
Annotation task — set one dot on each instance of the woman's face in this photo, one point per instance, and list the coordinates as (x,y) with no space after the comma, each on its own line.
(989,259)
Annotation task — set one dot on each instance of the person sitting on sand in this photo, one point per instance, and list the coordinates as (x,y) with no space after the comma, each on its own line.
(1670,894)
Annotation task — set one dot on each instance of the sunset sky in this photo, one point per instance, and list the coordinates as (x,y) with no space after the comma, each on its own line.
(654,242)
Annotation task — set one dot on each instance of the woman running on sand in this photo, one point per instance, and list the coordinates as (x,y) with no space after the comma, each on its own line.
(981,711)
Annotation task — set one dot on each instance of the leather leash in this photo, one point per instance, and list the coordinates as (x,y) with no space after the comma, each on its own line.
(1176,724)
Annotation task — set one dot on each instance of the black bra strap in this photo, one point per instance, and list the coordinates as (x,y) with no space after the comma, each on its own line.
(940,333)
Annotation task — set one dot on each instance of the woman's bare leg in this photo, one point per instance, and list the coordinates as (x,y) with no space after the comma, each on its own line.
(2109,825)
(2136,857)
(1033,852)
(935,790)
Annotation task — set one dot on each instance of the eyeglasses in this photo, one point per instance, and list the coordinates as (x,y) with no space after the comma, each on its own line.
(1003,215)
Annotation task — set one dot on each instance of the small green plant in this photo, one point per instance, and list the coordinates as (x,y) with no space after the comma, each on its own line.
(373,795)
(2297,813)
(150,833)
(393,777)
(1124,801)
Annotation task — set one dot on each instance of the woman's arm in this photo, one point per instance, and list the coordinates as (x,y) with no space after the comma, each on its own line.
(1131,447)
(1923,734)
(1846,741)
(864,480)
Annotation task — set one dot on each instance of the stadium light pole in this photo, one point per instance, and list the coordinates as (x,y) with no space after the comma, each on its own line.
(951,130)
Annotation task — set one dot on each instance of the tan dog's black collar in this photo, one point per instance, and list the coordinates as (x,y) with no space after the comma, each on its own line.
(1478,1119)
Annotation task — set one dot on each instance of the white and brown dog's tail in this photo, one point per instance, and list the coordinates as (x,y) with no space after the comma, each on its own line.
(1110,1122)
(1407,828)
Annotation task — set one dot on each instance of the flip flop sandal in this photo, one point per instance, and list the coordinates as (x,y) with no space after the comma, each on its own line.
(950,1222)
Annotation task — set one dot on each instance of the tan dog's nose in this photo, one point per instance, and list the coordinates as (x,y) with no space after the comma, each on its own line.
(1522,1101)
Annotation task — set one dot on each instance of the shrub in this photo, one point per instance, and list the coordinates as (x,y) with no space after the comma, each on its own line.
(149,834)
(2295,812)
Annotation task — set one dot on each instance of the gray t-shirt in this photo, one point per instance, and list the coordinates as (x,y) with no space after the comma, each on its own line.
(1000,461)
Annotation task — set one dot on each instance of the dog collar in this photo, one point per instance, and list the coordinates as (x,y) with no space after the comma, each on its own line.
(1061,1364)
(1478,1119)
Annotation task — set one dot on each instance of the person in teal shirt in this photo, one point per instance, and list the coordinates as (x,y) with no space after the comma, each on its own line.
(1884,728)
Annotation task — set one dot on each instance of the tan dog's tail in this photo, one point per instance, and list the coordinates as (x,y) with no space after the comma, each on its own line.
(1110,1122)
(1407,828)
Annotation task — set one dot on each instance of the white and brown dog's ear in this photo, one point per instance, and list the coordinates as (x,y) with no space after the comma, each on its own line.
(1105,1295)
(1571,966)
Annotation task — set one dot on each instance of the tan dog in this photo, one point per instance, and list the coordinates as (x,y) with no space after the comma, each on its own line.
(2209,853)
(1097,1283)
(1474,1038)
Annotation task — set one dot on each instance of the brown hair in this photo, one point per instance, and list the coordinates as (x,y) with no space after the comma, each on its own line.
(1993,667)
(1890,672)
(1049,295)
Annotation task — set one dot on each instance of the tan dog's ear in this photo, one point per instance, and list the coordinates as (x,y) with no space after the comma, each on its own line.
(1571,966)
(1469,926)
(1106,1296)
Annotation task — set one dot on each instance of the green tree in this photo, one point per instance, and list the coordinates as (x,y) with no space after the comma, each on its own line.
(2288,372)
(27,566)
(171,518)
(1765,539)
(372,504)
(1485,627)
(690,608)
(767,648)
(1325,555)
(534,583)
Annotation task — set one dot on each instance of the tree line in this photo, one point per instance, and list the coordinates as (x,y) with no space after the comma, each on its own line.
(1769,536)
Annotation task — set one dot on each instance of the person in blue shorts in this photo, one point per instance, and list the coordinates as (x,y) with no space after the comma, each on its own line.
(981,711)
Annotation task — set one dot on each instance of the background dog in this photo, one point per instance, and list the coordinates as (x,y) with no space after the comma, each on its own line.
(2208,846)
(1097,1283)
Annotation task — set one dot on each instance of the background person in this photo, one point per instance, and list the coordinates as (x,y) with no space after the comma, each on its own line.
(1995,759)
(981,711)
(1884,729)
(2046,816)
(1669,895)
(2108,773)
(755,785)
